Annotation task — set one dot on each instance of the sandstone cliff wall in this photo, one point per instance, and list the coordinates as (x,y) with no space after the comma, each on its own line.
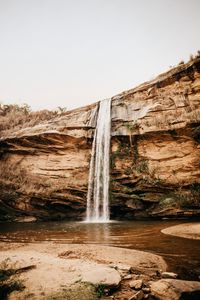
(155,155)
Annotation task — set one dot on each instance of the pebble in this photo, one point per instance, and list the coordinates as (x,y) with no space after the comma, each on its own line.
(126,277)
(169,275)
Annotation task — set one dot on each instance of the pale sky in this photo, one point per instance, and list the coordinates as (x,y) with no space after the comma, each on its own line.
(70,53)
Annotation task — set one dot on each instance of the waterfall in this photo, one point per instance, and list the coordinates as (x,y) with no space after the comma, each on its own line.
(98,185)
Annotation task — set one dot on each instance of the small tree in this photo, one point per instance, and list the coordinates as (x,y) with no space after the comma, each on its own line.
(61,110)
(131,127)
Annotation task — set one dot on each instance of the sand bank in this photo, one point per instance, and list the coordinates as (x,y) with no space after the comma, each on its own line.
(189,230)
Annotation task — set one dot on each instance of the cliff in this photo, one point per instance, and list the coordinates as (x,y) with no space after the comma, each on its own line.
(155,155)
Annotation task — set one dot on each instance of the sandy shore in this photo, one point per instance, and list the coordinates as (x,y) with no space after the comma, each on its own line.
(67,271)
(189,231)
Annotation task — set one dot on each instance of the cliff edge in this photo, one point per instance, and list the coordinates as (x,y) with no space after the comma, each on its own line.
(155,155)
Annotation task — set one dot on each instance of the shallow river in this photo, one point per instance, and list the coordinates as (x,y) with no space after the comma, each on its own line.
(182,255)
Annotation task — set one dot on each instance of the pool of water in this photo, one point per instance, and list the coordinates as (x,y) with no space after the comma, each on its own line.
(182,255)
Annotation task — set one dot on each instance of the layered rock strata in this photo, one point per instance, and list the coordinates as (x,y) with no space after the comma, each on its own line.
(155,154)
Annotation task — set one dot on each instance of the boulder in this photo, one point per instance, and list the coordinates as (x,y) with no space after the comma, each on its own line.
(173,289)
(102,275)
(122,269)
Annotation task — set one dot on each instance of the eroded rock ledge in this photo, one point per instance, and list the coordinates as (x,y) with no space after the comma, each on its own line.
(155,155)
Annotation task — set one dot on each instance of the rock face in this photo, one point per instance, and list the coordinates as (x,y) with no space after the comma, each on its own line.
(155,154)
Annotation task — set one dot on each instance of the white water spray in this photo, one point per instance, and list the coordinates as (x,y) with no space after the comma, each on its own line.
(98,185)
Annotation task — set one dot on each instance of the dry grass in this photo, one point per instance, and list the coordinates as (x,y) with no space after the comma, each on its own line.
(18,117)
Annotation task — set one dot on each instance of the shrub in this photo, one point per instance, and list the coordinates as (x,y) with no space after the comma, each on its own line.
(100,290)
(142,166)
(196,134)
(9,287)
(128,171)
(132,126)
(195,189)
(191,57)
(165,202)
(7,283)
(187,198)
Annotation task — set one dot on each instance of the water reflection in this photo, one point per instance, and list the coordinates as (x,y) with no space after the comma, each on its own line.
(182,255)
(100,233)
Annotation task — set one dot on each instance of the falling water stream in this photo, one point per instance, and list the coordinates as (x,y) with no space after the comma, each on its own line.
(98,184)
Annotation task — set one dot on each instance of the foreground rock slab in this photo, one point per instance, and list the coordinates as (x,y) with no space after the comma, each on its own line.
(77,268)
(174,289)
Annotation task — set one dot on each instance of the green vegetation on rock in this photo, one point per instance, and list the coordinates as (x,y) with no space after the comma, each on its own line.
(196,134)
